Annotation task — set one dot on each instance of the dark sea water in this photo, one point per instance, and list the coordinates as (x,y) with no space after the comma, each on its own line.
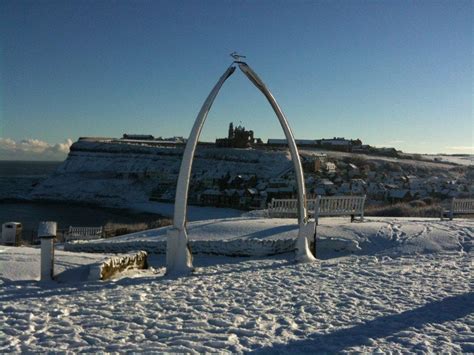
(17,178)
(27,168)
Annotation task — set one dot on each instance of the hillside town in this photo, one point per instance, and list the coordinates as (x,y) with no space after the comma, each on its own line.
(241,172)
(383,182)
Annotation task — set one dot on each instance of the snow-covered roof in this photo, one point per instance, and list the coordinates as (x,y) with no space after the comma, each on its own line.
(305,141)
(276,141)
(336,141)
(325,182)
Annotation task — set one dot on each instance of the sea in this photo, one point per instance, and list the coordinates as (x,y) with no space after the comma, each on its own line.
(18,178)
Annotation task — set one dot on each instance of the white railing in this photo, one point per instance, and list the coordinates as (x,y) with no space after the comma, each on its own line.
(287,208)
(83,233)
(459,206)
(321,206)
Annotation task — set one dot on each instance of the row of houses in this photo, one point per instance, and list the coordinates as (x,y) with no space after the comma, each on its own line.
(379,180)
(389,192)
(249,198)
(388,185)
(249,192)
(336,143)
(239,137)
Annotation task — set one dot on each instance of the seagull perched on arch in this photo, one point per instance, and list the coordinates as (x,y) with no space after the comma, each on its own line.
(237,57)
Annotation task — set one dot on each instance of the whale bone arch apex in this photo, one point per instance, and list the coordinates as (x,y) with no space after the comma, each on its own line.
(178,254)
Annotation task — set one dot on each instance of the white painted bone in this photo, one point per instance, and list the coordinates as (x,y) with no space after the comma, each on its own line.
(178,254)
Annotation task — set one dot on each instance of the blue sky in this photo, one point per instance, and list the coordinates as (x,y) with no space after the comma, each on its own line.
(392,73)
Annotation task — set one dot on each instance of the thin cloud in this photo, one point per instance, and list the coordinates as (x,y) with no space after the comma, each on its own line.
(33,149)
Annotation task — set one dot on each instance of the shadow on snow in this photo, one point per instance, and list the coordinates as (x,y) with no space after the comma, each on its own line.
(445,310)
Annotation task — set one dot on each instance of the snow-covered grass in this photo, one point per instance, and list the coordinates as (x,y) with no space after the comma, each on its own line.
(23,264)
(408,290)
(262,236)
(460,159)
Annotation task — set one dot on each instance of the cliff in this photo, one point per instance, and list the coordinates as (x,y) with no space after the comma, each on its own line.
(115,174)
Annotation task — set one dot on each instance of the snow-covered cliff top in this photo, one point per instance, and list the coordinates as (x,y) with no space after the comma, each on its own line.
(118,174)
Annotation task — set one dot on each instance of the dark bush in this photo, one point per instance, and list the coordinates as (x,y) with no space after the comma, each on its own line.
(417,203)
(116,229)
(428,200)
(403,210)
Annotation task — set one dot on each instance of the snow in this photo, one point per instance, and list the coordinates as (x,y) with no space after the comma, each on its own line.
(406,288)
(460,159)
(257,236)
(23,264)
(114,174)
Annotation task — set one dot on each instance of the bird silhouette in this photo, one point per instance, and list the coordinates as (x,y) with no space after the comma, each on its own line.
(237,56)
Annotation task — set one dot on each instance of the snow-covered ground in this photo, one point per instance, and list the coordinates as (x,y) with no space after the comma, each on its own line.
(433,161)
(467,159)
(246,236)
(22,264)
(408,288)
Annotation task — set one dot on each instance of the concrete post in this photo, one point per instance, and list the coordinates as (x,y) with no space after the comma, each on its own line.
(47,233)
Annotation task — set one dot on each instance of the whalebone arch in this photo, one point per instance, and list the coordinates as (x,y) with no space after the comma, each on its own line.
(178,254)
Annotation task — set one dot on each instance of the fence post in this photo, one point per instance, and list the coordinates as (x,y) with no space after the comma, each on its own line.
(316,210)
(47,233)
(451,213)
(314,238)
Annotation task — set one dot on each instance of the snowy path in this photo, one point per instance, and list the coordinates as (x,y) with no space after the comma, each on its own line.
(364,303)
